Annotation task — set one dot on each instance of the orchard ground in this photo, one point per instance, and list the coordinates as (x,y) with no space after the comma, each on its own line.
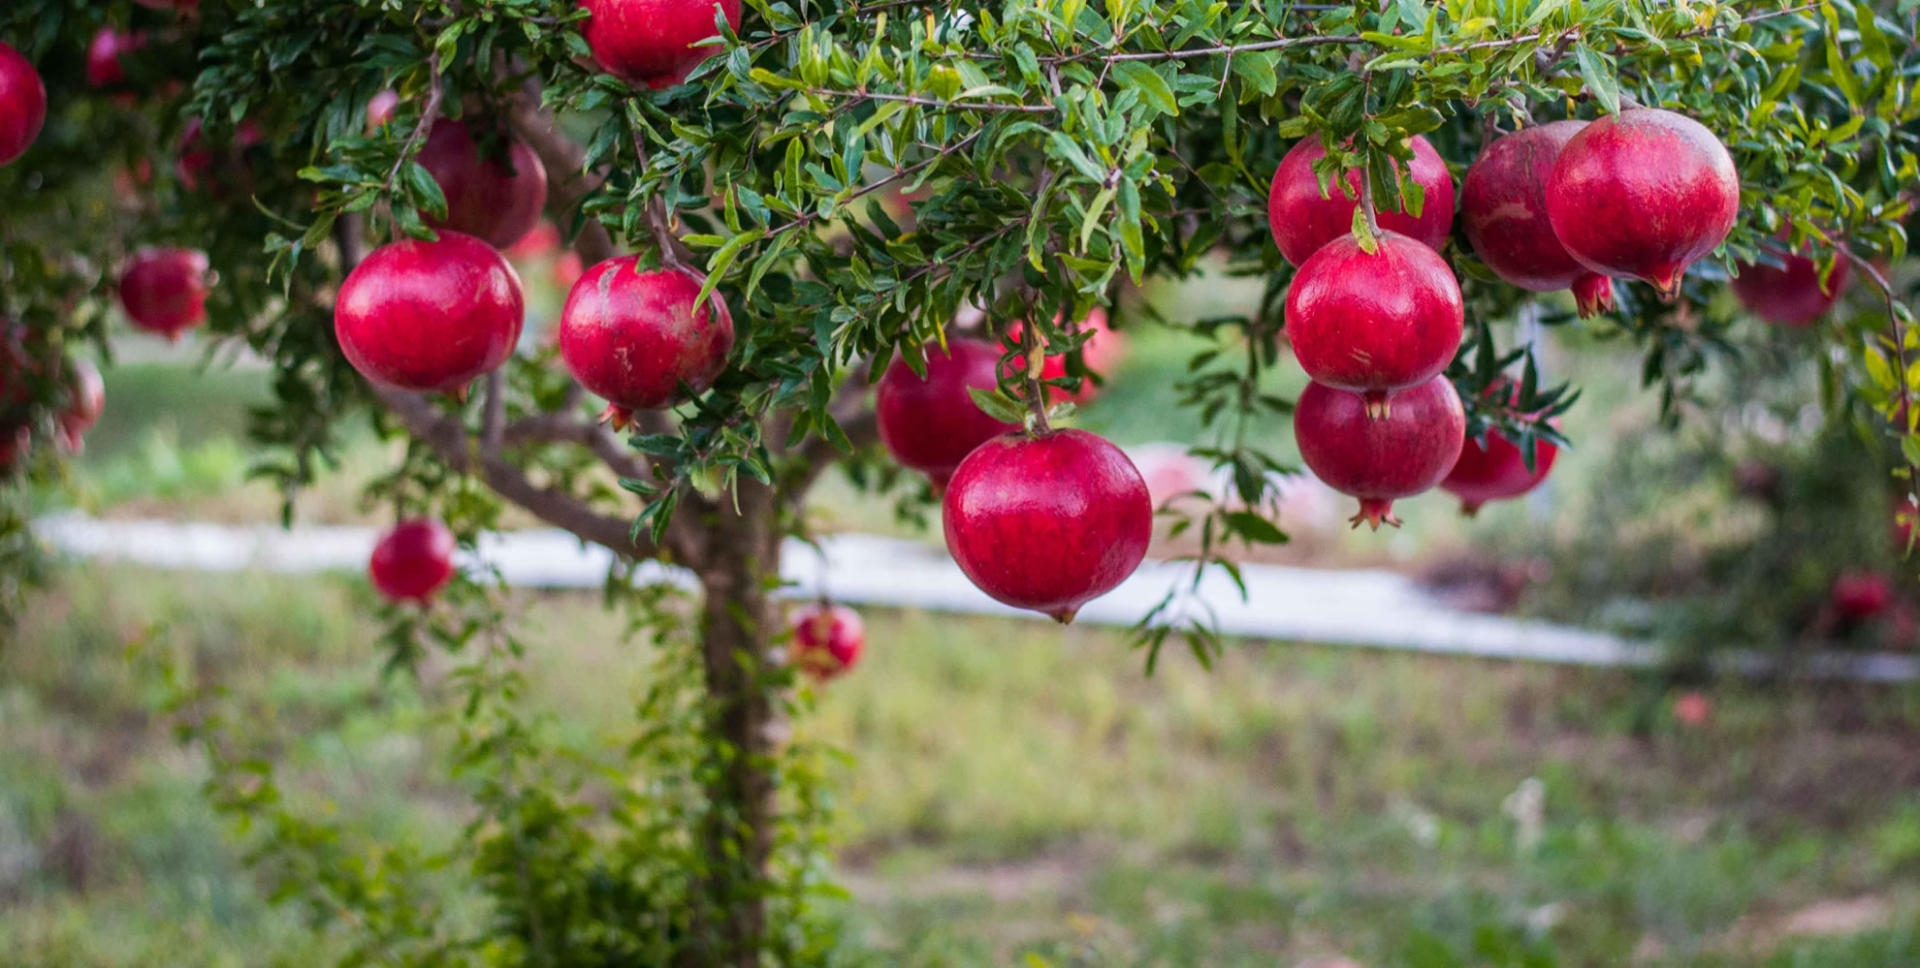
(1015,790)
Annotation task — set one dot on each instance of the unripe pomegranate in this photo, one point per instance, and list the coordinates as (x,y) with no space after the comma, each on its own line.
(103,55)
(632,336)
(1048,522)
(86,400)
(827,639)
(1503,206)
(1496,471)
(1858,595)
(413,561)
(164,291)
(1380,460)
(430,316)
(1303,220)
(1374,323)
(1643,193)
(1101,353)
(932,424)
(498,196)
(652,42)
(23,104)
(1791,294)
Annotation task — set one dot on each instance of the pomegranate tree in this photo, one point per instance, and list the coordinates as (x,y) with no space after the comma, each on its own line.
(494,192)
(1644,194)
(1374,322)
(430,316)
(932,423)
(23,104)
(638,338)
(1503,208)
(654,42)
(1049,521)
(1304,218)
(827,639)
(1380,460)
(412,561)
(164,291)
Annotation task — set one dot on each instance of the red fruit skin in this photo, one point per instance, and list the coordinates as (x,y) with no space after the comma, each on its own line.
(1692,709)
(1857,596)
(86,401)
(103,55)
(1503,208)
(164,291)
(1380,460)
(1374,323)
(651,42)
(381,109)
(491,198)
(1302,220)
(430,316)
(931,425)
(1790,295)
(827,639)
(23,104)
(1049,522)
(1496,472)
(1101,353)
(413,561)
(1644,193)
(632,336)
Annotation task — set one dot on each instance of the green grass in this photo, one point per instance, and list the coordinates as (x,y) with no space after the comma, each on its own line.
(1017,790)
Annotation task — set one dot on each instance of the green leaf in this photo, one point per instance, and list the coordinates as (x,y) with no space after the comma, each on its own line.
(998,405)
(1596,69)
(425,191)
(1154,89)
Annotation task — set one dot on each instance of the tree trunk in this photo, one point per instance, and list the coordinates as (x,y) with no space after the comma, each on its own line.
(739,621)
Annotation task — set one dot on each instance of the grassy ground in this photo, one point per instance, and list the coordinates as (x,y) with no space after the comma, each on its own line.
(1020,791)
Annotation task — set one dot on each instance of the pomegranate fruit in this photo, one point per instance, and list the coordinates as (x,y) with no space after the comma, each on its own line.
(1644,193)
(1858,595)
(1692,709)
(932,424)
(496,195)
(1503,207)
(164,291)
(104,68)
(1791,294)
(381,108)
(827,639)
(430,316)
(1101,353)
(23,104)
(1303,220)
(86,400)
(632,336)
(1047,522)
(652,42)
(1496,471)
(413,561)
(1374,323)
(1380,460)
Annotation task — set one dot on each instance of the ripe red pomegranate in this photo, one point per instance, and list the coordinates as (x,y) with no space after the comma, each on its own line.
(1643,193)
(1496,471)
(1380,460)
(1303,220)
(931,425)
(23,104)
(1503,206)
(1048,522)
(827,639)
(413,561)
(1692,709)
(1101,353)
(430,316)
(1791,294)
(494,191)
(164,291)
(103,55)
(1860,595)
(651,41)
(1374,324)
(86,400)
(381,108)
(632,336)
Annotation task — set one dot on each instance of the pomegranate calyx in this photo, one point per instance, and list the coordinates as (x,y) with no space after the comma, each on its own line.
(1593,295)
(1374,512)
(1378,407)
